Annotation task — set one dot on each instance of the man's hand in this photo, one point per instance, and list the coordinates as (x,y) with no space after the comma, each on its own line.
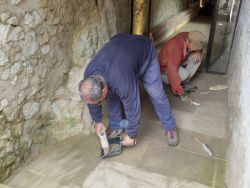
(99,127)
(197,56)
(127,141)
(178,90)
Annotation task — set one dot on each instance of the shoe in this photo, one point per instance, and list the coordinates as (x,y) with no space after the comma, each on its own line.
(189,88)
(114,133)
(172,137)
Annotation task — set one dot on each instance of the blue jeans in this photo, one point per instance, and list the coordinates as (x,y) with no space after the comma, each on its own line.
(152,83)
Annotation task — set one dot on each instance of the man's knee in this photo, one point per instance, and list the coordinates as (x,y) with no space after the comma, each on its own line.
(192,66)
(157,94)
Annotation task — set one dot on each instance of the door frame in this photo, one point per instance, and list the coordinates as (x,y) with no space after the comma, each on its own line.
(211,37)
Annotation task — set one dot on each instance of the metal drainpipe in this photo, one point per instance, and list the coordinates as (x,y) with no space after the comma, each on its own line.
(140,17)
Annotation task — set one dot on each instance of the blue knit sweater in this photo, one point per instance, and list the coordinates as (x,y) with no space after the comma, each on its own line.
(122,62)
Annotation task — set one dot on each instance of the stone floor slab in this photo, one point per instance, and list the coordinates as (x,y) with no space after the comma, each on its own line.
(211,118)
(114,174)
(179,163)
(153,132)
(66,164)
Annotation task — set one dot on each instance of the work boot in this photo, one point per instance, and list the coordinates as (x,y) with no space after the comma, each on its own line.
(172,137)
(188,87)
(114,133)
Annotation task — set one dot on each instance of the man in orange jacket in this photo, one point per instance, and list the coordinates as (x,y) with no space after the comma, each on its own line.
(180,58)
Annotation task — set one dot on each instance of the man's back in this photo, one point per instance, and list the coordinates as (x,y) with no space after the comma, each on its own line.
(124,58)
(172,51)
(121,62)
(170,58)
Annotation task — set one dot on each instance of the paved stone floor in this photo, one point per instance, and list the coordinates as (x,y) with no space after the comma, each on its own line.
(75,162)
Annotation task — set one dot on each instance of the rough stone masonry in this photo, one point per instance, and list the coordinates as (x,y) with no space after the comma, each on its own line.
(44,48)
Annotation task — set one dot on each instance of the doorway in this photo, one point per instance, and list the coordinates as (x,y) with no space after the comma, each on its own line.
(223,24)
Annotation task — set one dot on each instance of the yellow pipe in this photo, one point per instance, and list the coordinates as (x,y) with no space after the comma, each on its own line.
(140,16)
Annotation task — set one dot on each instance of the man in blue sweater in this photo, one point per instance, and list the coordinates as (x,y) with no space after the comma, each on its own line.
(113,74)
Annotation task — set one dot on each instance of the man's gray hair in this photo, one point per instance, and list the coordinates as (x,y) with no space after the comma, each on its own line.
(93,86)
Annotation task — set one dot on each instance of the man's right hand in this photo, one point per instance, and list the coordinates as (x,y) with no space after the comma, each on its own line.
(99,127)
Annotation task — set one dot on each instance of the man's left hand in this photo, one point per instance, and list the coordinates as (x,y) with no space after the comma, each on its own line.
(197,56)
(127,141)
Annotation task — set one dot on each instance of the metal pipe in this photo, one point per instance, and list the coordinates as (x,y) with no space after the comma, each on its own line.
(140,16)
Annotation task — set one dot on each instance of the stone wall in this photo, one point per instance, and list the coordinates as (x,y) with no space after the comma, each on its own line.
(161,10)
(44,47)
(238,173)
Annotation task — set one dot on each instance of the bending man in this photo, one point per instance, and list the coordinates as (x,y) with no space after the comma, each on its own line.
(180,58)
(113,74)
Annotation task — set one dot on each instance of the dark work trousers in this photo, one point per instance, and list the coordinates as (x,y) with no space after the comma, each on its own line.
(151,80)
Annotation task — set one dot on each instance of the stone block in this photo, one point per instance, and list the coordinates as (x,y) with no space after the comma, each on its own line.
(24,82)
(5,174)
(5,75)
(42,3)
(6,135)
(75,75)
(4,16)
(13,20)
(67,14)
(18,129)
(13,82)
(45,49)
(21,96)
(30,45)
(30,109)
(52,30)
(3,58)
(55,20)
(4,29)
(9,160)
(15,34)
(32,19)
(44,38)
(19,57)
(11,71)
(11,111)
(15,2)
(2,119)
(4,103)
